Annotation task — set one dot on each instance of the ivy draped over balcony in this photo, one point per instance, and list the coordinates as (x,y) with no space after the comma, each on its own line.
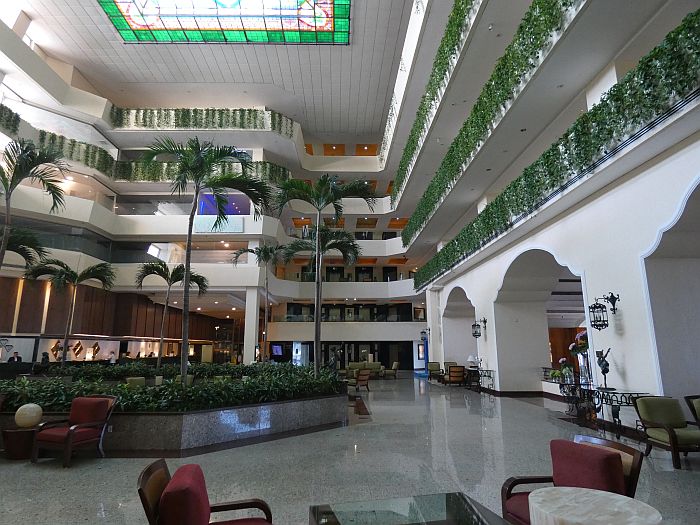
(668,74)
(522,56)
(9,120)
(447,51)
(206,118)
(135,171)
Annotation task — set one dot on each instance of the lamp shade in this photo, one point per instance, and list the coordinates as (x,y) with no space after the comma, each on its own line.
(28,415)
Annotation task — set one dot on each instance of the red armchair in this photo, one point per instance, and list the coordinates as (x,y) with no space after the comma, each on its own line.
(84,428)
(592,463)
(183,499)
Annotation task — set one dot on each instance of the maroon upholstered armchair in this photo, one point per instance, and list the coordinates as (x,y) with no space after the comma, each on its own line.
(84,428)
(183,499)
(573,465)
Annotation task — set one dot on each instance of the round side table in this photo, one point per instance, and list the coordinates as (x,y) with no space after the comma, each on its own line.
(576,506)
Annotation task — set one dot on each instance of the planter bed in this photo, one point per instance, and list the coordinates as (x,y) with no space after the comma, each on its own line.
(187,433)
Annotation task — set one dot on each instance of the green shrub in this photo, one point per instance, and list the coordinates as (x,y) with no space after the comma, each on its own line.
(664,76)
(265,383)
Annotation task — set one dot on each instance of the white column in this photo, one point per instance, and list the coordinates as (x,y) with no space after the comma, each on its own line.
(603,82)
(432,307)
(252,313)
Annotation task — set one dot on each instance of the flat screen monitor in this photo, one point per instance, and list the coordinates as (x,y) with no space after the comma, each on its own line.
(277,350)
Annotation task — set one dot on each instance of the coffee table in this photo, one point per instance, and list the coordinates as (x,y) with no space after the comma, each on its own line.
(452,508)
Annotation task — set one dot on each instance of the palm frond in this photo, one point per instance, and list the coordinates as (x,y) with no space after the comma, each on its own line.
(257,190)
(58,272)
(177,275)
(157,268)
(343,242)
(201,282)
(298,246)
(240,253)
(102,272)
(291,190)
(26,243)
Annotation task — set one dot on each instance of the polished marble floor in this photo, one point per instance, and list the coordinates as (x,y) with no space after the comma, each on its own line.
(419,439)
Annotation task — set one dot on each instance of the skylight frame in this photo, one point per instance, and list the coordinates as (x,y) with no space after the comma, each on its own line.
(339,33)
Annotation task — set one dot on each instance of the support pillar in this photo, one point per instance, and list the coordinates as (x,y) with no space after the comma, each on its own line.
(432,308)
(252,314)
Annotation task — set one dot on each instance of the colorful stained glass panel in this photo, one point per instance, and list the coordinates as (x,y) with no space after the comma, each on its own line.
(233,21)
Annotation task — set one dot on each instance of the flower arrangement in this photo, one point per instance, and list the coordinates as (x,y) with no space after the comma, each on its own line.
(580,344)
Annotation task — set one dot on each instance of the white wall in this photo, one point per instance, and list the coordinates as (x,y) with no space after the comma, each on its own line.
(604,239)
(674,292)
(457,340)
(523,344)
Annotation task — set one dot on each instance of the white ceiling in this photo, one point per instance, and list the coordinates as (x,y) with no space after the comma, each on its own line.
(338,93)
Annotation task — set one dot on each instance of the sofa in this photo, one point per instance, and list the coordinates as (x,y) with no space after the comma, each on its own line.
(375,369)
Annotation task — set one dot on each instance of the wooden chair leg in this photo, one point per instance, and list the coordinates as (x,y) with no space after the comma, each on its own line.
(648,449)
(675,455)
(100,450)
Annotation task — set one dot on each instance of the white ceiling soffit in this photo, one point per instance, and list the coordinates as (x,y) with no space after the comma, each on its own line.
(333,91)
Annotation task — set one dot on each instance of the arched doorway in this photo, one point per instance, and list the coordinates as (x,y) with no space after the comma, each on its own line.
(457,319)
(673,283)
(538,312)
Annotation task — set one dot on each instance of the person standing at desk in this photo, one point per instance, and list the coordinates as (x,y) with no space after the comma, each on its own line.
(15,358)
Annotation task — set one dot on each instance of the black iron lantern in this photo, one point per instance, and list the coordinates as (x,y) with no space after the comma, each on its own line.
(598,315)
(476,327)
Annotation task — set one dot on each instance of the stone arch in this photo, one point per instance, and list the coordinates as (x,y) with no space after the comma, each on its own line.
(457,319)
(538,308)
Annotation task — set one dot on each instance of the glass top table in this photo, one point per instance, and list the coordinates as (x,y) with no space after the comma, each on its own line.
(453,508)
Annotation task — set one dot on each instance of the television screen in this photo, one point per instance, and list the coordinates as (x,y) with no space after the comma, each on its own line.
(276,349)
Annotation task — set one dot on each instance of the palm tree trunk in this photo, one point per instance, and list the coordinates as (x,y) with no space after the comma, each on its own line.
(267,306)
(162,328)
(317,300)
(184,352)
(5,229)
(69,323)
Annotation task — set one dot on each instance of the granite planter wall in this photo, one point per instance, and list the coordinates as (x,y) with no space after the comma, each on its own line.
(182,433)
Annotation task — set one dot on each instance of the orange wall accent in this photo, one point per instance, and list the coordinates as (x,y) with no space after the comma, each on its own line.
(309,148)
(333,150)
(366,150)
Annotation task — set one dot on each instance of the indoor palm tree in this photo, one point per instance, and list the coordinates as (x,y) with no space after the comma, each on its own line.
(161,269)
(324,193)
(63,276)
(318,245)
(23,161)
(199,170)
(26,244)
(265,255)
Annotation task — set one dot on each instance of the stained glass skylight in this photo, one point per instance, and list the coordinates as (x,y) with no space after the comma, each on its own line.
(231,21)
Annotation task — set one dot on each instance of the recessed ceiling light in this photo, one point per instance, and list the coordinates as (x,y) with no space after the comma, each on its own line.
(116,207)
(174,302)
(199,309)
(234,308)
(69,177)
(222,242)
(86,176)
(490,27)
(228,317)
(333,147)
(226,245)
(216,302)
(522,130)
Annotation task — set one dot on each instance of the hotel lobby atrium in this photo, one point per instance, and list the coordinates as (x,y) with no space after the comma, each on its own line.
(338,262)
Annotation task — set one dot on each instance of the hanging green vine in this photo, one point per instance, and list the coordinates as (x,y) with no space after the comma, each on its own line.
(521,57)
(210,118)
(88,154)
(448,49)
(664,76)
(166,171)
(9,120)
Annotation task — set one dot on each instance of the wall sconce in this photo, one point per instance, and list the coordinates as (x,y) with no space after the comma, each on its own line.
(598,315)
(612,300)
(599,312)
(425,334)
(476,327)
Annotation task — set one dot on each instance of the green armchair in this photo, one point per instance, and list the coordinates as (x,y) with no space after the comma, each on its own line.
(665,425)
(694,406)
(391,372)
(434,369)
